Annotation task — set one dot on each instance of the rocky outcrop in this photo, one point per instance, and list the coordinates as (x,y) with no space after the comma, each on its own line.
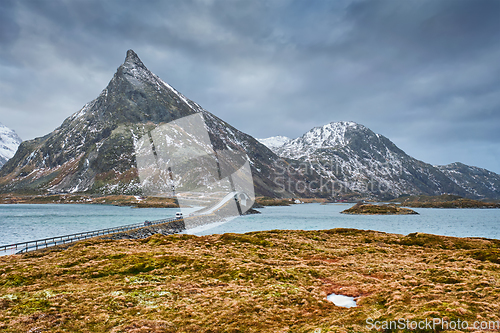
(369,209)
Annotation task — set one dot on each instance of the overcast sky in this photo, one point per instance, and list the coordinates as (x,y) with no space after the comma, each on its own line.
(426,74)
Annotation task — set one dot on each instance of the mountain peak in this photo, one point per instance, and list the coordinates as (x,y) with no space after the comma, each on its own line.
(334,135)
(133,59)
(135,94)
(345,123)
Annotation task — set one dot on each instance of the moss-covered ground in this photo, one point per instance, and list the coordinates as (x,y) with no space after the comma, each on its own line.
(270,281)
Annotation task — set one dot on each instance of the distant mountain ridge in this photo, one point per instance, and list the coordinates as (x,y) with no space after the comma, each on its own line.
(478,182)
(9,141)
(357,159)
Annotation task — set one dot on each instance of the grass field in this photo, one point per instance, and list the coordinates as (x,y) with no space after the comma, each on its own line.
(271,281)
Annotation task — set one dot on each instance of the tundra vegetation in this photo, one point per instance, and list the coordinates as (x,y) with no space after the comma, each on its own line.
(268,281)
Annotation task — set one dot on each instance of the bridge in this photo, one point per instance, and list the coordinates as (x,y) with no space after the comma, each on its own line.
(24,247)
(34,245)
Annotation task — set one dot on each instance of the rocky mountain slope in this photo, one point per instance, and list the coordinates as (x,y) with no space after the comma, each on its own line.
(9,141)
(355,159)
(476,181)
(93,150)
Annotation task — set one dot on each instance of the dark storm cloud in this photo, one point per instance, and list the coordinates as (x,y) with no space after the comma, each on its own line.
(423,73)
(9,29)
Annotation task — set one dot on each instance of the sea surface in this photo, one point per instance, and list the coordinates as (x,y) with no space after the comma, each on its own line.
(438,221)
(23,222)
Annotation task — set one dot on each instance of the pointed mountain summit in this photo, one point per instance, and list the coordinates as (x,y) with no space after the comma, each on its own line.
(93,150)
(135,94)
(133,58)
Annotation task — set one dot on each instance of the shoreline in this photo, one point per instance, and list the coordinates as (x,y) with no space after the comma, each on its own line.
(116,200)
(137,201)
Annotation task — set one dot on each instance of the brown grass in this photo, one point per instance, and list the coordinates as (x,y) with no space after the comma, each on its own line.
(273,281)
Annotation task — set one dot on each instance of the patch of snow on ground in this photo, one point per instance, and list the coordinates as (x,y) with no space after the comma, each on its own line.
(341,300)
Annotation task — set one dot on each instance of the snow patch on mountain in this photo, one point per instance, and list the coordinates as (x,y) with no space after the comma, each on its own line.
(274,142)
(9,142)
(331,135)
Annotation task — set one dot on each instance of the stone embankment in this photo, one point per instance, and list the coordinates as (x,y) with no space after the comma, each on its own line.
(199,220)
(167,228)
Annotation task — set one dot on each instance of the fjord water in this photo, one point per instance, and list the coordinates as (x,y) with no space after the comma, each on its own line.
(448,222)
(23,222)
(20,223)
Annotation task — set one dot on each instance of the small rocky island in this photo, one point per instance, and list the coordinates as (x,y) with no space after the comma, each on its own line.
(370,209)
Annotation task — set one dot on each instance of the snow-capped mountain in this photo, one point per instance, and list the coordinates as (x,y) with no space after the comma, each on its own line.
(93,150)
(355,159)
(9,141)
(274,142)
(328,136)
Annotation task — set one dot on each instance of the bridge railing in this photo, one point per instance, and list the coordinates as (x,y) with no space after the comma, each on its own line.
(58,240)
